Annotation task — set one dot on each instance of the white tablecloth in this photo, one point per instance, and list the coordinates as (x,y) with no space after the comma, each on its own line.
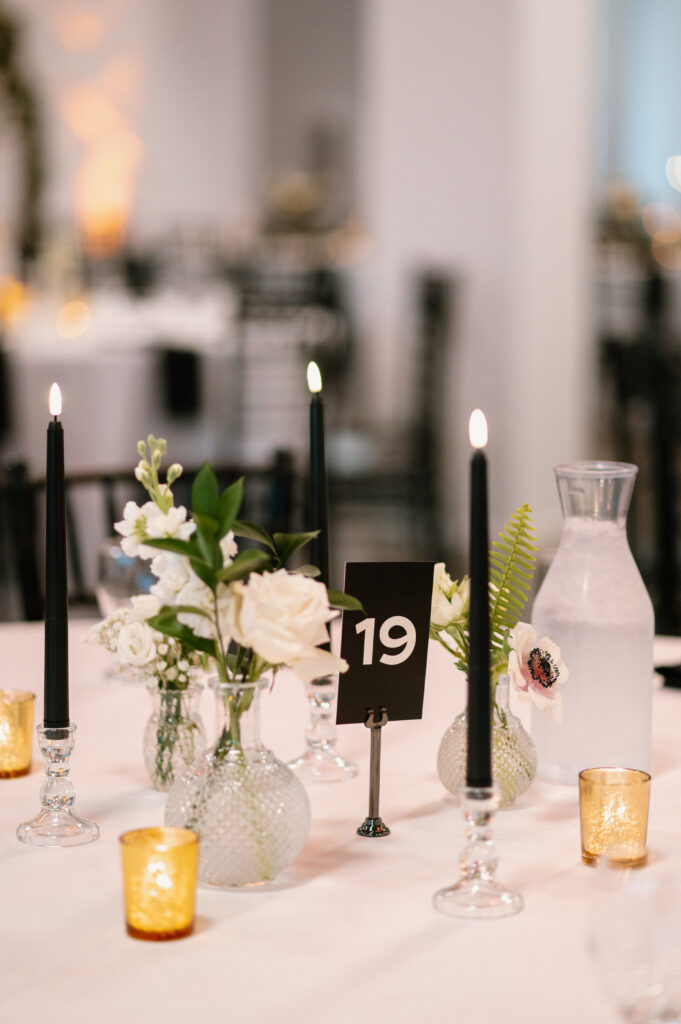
(348,932)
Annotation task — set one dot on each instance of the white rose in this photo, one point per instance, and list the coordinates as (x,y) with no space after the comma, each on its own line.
(136,644)
(283,617)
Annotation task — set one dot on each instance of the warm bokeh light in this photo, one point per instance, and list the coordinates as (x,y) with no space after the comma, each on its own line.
(106,179)
(477,429)
(314,378)
(667,255)
(73,319)
(13,299)
(660,217)
(55,400)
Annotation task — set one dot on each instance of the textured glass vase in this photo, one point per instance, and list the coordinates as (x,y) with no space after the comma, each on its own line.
(594,605)
(250,811)
(174,735)
(514,759)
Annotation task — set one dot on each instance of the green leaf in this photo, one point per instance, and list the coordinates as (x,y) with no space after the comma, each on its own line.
(347,603)
(287,543)
(205,492)
(169,626)
(307,570)
(243,564)
(209,548)
(253,532)
(207,524)
(170,612)
(205,572)
(229,504)
(511,567)
(179,547)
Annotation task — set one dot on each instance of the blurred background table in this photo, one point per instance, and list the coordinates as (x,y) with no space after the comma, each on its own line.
(349,927)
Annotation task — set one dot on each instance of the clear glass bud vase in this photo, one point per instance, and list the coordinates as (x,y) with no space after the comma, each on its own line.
(250,811)
(594,605)
(174,735)
(514,758)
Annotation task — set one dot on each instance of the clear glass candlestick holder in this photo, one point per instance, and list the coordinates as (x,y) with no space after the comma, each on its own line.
(478,894)
(320,761)
(57,824)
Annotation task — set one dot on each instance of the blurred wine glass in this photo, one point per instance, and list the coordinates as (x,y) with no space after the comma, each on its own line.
(635,938)
(119,577)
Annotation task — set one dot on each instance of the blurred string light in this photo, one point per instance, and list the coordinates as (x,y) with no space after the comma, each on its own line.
(73,319)
(663,224)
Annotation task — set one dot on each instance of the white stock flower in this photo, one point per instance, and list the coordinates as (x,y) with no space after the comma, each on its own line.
(136,644)
(149,522)
(173,573)
(229,548)
(282,616)
(134,527)
(172,523)
(144,606)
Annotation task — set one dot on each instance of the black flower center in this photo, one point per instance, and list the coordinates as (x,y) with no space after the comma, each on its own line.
(542,667)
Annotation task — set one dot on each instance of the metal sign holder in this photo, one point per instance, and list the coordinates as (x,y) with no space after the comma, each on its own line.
(373,825)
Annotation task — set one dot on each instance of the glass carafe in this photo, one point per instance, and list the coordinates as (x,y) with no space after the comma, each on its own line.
(594,605)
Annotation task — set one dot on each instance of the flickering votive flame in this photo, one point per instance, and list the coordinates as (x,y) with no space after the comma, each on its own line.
(477,429)
(55,400)
(314,378)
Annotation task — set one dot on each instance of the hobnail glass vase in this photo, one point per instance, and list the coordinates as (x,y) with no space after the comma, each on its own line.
(514,758)
(594,605)
(250,811)
(174,735)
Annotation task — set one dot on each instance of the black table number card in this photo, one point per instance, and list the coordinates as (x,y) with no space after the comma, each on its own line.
(386,645)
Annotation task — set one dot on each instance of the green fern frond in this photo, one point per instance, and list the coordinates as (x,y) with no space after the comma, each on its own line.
(511,567)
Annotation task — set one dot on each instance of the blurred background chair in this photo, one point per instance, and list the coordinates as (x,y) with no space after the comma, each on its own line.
(390,475)
(94,501)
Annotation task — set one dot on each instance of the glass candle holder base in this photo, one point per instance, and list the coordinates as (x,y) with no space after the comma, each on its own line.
(57,824)
(323,764)
(478,895)
(320,761)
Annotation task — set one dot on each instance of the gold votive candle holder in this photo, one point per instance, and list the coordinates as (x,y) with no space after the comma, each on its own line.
(613,812)
(159,882)
(16,732)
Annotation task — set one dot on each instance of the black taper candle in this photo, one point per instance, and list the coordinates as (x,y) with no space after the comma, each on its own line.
(319,488)
(56,706)
(479,755)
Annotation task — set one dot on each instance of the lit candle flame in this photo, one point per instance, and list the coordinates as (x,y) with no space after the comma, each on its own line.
(477,429)
(55,400)
(314,378)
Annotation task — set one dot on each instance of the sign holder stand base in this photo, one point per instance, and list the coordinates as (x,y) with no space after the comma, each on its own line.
(373,826)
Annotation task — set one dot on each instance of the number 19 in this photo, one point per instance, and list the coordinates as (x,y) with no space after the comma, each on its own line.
(405,639)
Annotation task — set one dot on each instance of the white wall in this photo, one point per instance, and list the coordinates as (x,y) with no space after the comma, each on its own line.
(475,156)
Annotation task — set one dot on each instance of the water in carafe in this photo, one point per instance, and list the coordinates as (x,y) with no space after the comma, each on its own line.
(594,605)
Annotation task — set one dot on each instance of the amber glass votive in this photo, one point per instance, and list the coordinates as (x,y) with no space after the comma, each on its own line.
(16,732)
(159,882)
(613,811)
